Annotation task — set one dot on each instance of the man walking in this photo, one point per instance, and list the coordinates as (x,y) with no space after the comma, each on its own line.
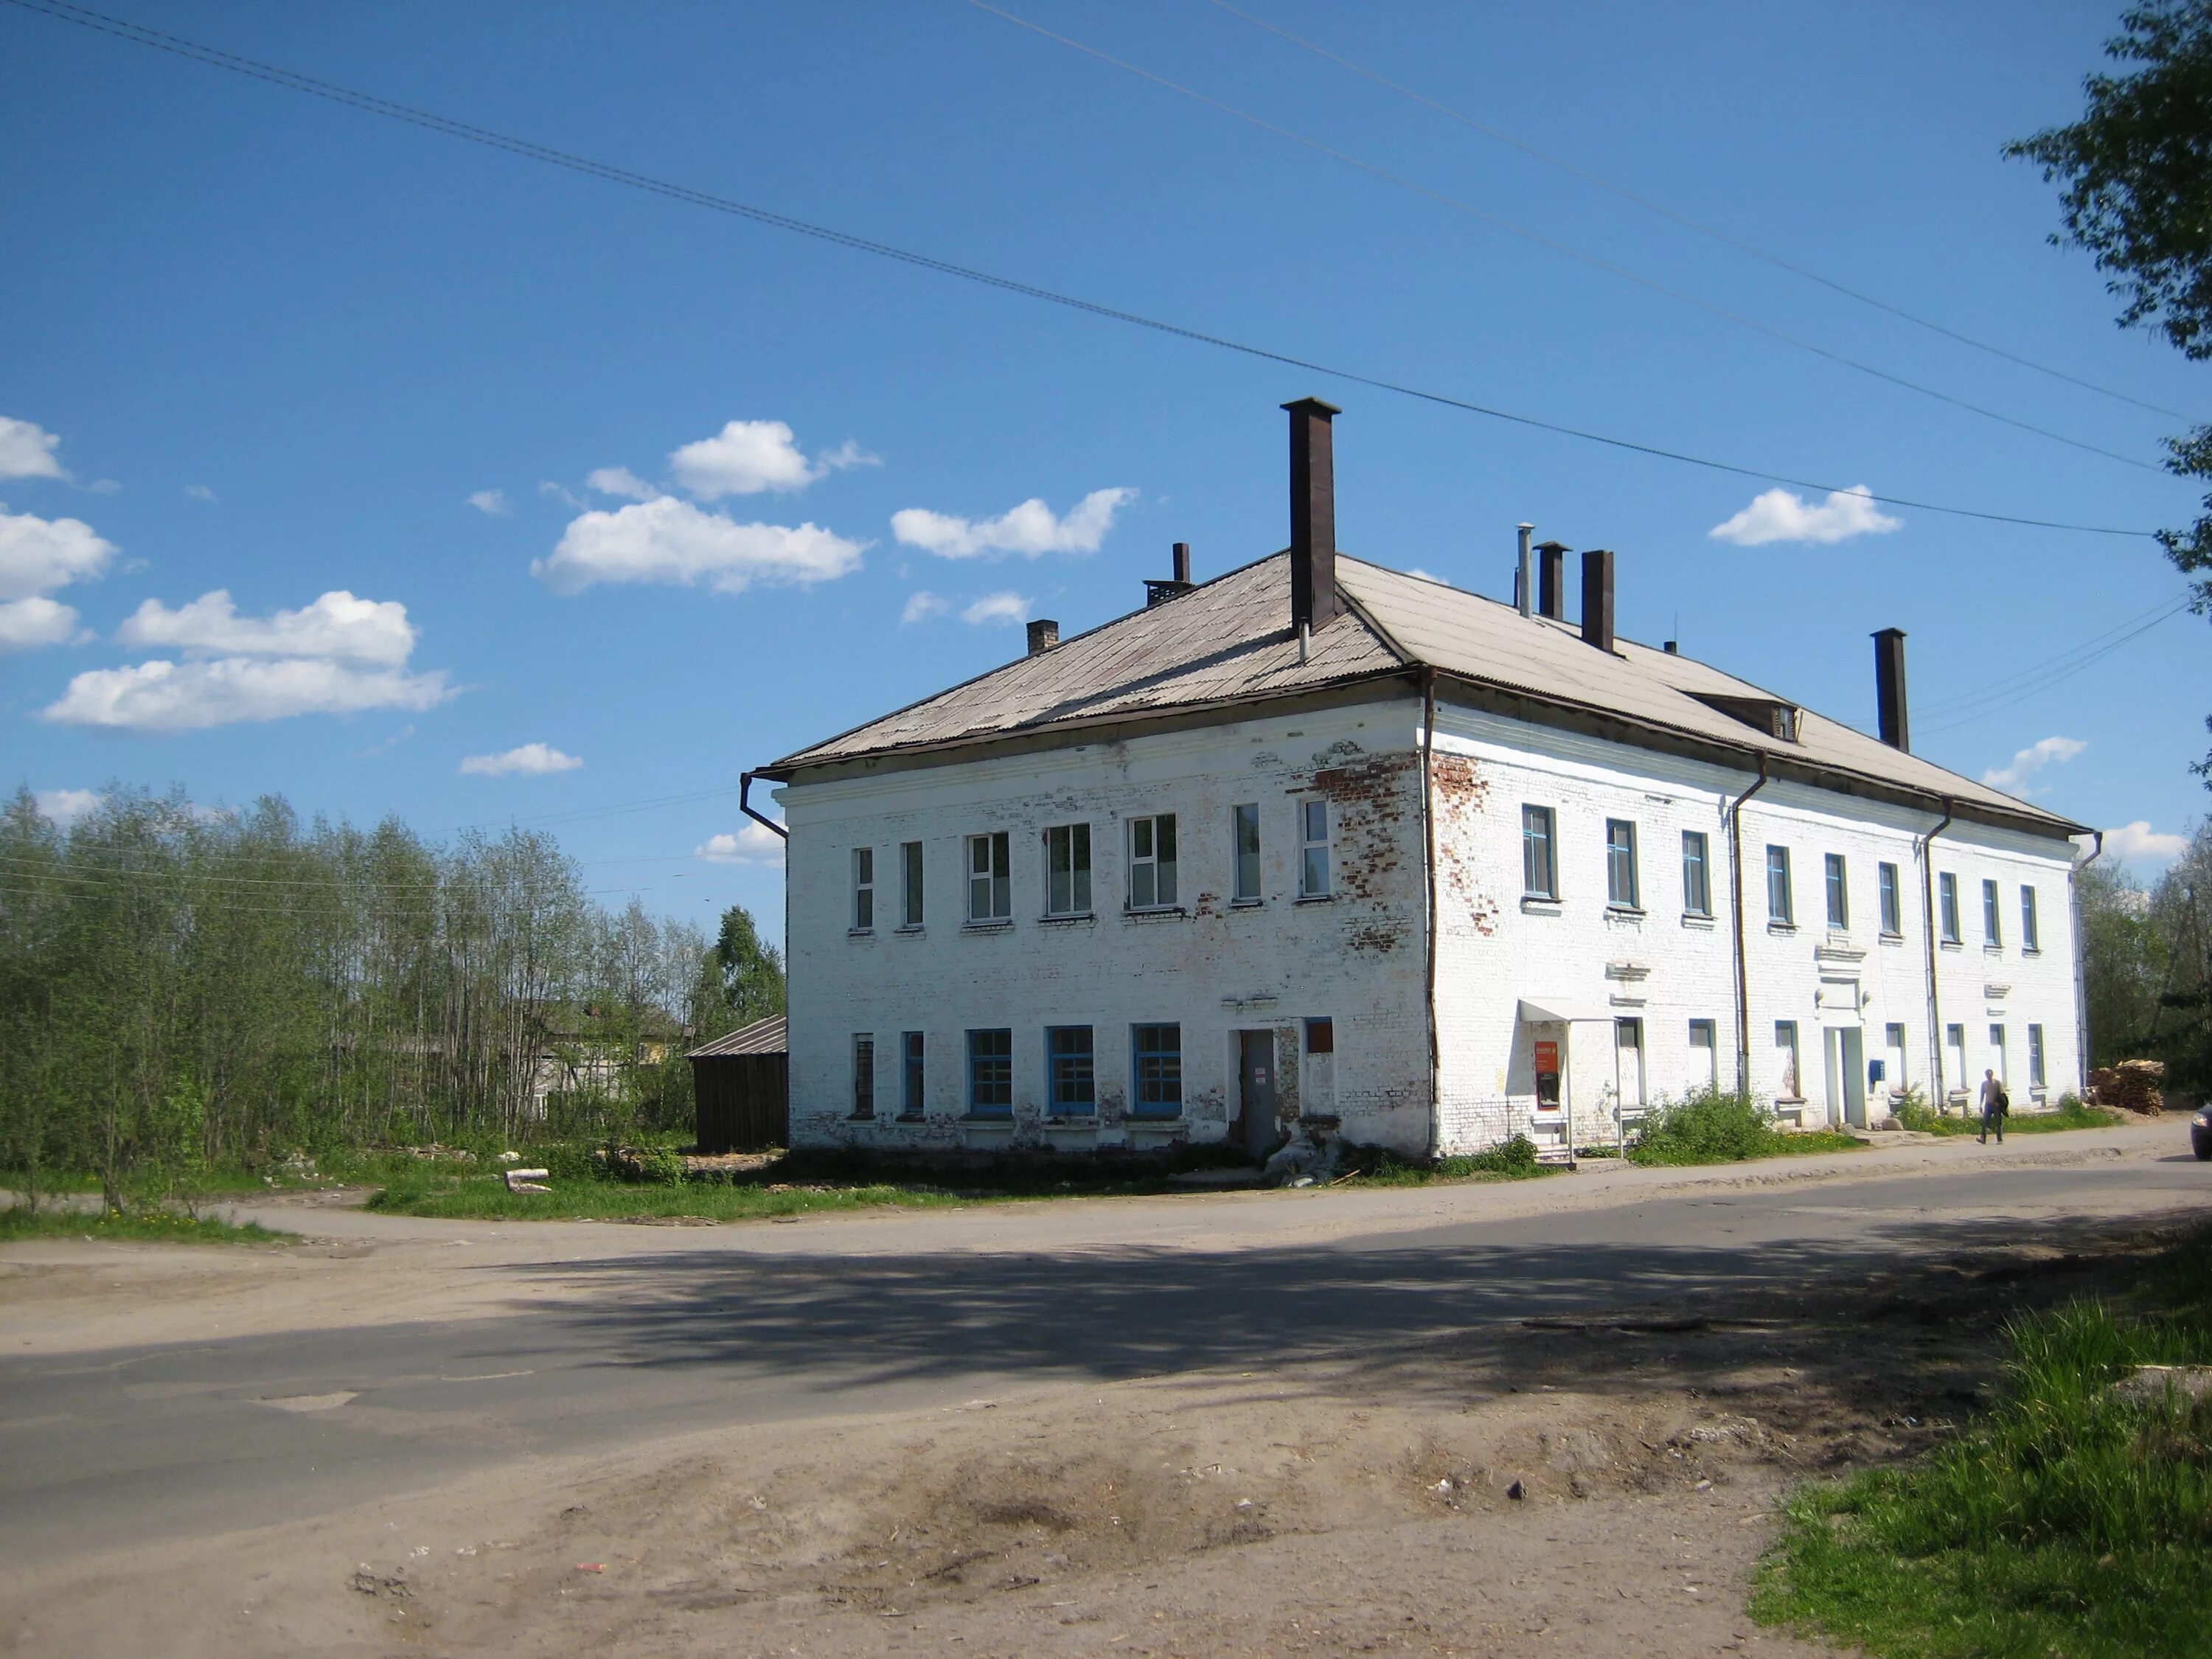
(1995,1105)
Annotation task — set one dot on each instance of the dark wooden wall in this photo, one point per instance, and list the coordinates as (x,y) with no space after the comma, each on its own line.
(744,1103)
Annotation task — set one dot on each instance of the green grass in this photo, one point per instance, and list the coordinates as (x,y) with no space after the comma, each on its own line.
(2070,1115)
(160,1227)
(1375,1166)
(1725,1128)
(486,1197)
(2062,1522)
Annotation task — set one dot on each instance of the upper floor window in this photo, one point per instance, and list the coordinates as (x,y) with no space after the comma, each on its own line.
(1780,907)
(1070,1081)
(1244,836)
(1892,904)
(1992,933)
(1151,862)
(1158,1051)
(864,888)
(990,887)
(1621,863)
(1313,849)
(1540,869)
(1946,901)
(991,1073)
(1839,896)
(910,884)
(1696,874)
(2030,937)
(1067,870)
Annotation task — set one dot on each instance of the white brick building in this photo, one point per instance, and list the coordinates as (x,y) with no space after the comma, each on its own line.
(1317,841)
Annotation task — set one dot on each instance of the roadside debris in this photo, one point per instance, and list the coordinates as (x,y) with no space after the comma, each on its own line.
(528,1180)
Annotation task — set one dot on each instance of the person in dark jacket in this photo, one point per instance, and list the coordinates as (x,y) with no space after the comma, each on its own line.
(1995,1105)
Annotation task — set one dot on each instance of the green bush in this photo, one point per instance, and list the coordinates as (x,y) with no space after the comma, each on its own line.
(1708,1127)
(1516,1157)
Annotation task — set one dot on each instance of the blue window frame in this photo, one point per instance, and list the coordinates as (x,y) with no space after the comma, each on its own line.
(991,1073)
(911,1074)
(1071,1080)
(1158,1051)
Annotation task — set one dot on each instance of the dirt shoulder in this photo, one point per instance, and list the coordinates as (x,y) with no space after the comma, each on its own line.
(353,1268)
(1362,1505)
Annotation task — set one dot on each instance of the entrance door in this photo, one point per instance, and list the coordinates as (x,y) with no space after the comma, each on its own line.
(1845,1047)
(1256,1087)
(1628,1069)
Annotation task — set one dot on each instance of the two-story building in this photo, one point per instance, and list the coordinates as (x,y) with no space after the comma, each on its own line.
(1320,842)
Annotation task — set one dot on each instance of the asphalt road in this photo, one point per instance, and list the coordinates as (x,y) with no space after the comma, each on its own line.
(127,1445)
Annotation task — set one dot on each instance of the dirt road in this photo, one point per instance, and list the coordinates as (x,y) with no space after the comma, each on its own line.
(1267,1423)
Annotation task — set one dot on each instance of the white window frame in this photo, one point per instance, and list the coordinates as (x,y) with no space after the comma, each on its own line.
(1947,907)
(1077,840)
(1317,870)
(1992,917)
(1784,913)
(1793,1070)
(910,884)
(2037,1073)
(1623,880)
(2031,924)
(1698,894)
(1710,1031)
(1148,869)
(1893,901)
(1539,842)
(993,881)
(864,890)
(1836,886)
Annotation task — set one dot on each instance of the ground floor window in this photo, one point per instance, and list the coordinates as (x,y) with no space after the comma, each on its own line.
(910,1074)
(1073,1089)
(991,1073)
(1158,1050)
(1954,1054)
(863,1075)
(1893,1041)
(1704,1055)
(1997,1053)
(1785,1057)
(2035,1056)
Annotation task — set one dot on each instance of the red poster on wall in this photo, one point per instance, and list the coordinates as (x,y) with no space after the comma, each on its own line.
(1547,1057)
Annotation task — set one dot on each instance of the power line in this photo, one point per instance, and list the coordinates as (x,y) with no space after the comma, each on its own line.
(2157,613)
(1689,224)
(286,78)
(1567,249)
(2053,673)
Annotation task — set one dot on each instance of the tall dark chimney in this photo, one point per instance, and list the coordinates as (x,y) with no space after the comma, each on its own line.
(1156,589)
(1314,601)
(1183,563)
(1889,688)
(1597,599)
(1552,579)
(1044,634)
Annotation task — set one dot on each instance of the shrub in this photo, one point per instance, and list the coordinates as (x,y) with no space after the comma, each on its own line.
(1709,1125)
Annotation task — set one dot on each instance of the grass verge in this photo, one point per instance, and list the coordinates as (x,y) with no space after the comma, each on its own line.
(2068,1520)
(1374,1166)
(2070,1115)
(160,1227)
(1726,1129)
(473,1198)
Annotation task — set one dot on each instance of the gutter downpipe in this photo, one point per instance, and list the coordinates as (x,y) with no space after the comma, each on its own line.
(2081,969)
(1742,980)
(1429,872)
(1928,916)
(745,805)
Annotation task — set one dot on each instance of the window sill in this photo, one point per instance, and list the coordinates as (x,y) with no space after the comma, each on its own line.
(1315,898)
(861,1117)
(1246,903)
(1152,1122)
(910,928)
(2031,950)
(1072,919)
(1537,904)
(1993,950)
(1002,1119)
(1630,912)
(1153,912)
(997,925)
(860,932)
(1085,1120)
(909,1117)
(1782,929)
(1949,945)
(1890,939)
(1702,920)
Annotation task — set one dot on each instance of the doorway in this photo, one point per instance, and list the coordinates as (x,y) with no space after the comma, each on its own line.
(1255,1129)
(1846,1058)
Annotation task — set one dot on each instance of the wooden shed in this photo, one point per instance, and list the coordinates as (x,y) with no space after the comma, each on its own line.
(741,1084)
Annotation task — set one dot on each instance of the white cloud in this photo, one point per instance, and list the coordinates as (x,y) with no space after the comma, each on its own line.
(1030,529)
(621,481)
(492,503)
(564,495)
(165,696)
(27,624)
(532,760)
(922,606)
(202,493)
(996,608)
(337,626)
(847,455)
(754,844)
(386,746)
(744,459)
(39,555)
(27,451)
(675,543)
(62,807)
(2032,759)
(2139,841)
(1782,515)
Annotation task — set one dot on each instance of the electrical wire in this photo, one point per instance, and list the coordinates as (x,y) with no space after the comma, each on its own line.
(1688,223)
(1964,712)
(210,56)
(1566,249)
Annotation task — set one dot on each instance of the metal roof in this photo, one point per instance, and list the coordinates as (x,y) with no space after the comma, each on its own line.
(1229,642)
(762,1036)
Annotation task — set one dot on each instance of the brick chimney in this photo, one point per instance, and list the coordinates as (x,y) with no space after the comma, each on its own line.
(1044,634)
(1889,688)
(1552,579)
(1314,600)
(1597,599)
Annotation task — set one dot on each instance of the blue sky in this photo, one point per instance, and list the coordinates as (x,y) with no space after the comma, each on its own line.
(280,347)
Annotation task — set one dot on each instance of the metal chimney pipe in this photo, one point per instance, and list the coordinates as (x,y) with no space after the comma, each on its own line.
(1552,585)
(1314,601)
(1524,580)
(1889,688)
(1044,634)
(1182,561)
(1597,599)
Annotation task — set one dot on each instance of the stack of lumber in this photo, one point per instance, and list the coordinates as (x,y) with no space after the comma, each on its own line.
(2133,1085)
